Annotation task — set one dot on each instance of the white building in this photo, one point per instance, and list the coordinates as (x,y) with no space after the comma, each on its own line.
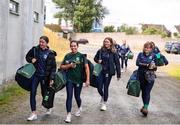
(21,24)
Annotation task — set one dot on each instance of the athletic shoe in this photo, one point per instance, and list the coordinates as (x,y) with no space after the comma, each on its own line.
(68,118)
(78,113)
(144,111)
(32,117)
(103,107)
(48,112)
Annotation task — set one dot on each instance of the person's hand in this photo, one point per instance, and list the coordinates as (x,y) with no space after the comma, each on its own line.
(73,65)
(34,60)
(99,61)
(51,82)
(87,83)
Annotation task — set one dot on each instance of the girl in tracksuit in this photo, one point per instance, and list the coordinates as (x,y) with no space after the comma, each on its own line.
(124,49)
(73,63)
(45,63)
(108,58)
(146,67)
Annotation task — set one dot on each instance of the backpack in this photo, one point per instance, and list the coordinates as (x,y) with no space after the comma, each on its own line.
(91,68)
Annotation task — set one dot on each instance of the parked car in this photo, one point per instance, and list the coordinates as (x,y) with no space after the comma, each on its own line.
(168,46)
(83,41)
(175,48)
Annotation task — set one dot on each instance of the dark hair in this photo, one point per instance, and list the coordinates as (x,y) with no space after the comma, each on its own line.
(74,41)
(45,38)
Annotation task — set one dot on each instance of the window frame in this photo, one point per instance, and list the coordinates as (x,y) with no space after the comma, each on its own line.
(15,7)
(36,16)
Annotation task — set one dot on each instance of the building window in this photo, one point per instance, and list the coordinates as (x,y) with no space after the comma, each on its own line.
(36,17)
(14,7)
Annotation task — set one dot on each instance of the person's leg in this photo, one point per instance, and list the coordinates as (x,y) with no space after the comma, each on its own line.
(142,85)
(34,86)
(100,84)
(77,94)
(122,61)
(126,61)
(44,85)
(106,87)
(69,90)
(147,92)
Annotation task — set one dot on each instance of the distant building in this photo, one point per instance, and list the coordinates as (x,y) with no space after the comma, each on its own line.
(21,24)
(177,28)
(157,26)
(97,26)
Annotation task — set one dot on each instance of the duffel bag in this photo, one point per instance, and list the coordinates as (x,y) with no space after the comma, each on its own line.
(130,55)
(24,76)
(59,81)
(134,88)
(27,70)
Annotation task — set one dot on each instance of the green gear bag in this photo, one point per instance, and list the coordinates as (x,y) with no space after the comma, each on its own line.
(130,55)
(134,88)
(97,69)
(27,70)
(59,81)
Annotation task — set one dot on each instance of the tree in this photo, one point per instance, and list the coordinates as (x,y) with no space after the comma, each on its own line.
(109,29)
(81,12)
(84,16)
(122,28)
(127,29)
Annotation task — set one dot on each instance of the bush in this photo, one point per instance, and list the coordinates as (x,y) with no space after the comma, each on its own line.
(109,29)
(127,29)
(54,27)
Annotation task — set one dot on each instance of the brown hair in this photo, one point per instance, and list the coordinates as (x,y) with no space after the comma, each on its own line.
(113,49)
(147,44)
(45,38)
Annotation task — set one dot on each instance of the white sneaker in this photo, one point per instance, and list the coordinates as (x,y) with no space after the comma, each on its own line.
(103,107)
(32,117)
(122,70)
(68,118)
(78,113)
(48,112)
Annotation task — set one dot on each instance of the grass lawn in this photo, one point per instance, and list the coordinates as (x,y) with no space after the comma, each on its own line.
(9,94)
(173,70)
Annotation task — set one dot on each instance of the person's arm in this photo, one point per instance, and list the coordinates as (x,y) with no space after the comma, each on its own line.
(139,63)
(30,56)
(87,74)
(97,57)
(64,66)
(53,64)
(117,64)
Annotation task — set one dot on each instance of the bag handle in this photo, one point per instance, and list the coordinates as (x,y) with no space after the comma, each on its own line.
(34,52)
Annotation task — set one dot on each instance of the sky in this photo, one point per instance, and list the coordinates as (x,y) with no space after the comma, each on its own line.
(134,12)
